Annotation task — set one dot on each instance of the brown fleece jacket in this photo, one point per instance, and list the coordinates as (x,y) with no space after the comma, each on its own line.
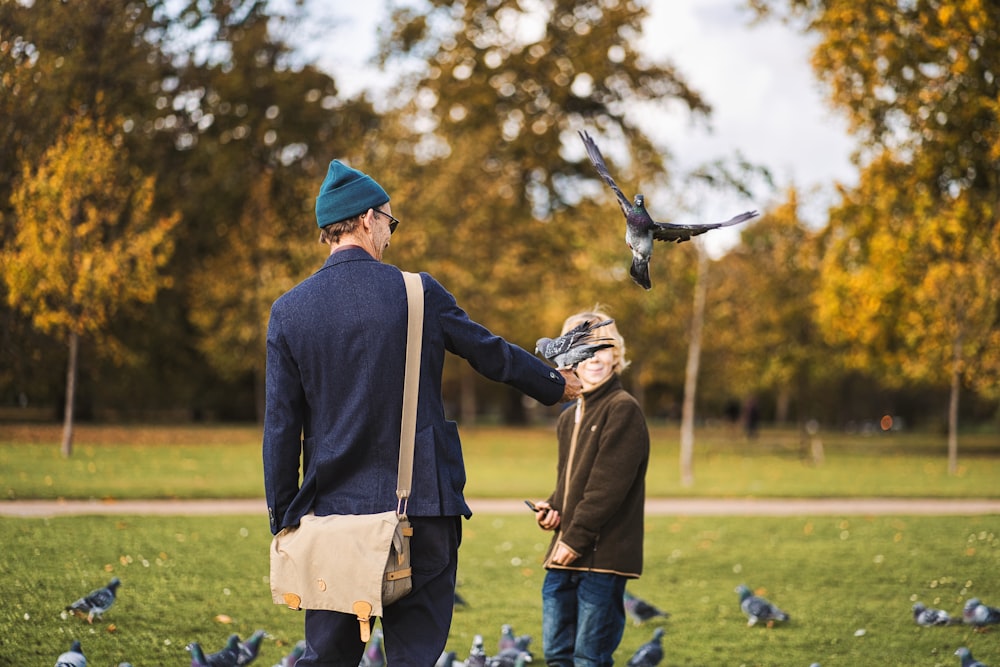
(601,488)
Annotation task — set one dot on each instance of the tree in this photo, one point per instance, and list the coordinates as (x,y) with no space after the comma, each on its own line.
(917,302)
(490,163)
(86,245)
(913,249)
(263,264)
(766,337)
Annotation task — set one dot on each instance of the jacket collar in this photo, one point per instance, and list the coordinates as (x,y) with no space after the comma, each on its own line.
(613,383)
(348,254)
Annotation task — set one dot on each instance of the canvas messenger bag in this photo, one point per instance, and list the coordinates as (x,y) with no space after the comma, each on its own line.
(357,563)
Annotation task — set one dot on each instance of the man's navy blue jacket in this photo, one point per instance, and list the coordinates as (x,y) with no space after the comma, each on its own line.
(336,346)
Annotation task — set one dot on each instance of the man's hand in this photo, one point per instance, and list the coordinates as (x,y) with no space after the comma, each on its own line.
(573,387)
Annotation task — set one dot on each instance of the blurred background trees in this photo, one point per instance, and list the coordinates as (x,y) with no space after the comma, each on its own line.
(892,307)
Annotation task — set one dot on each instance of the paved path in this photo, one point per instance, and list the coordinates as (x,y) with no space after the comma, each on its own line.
(655,506)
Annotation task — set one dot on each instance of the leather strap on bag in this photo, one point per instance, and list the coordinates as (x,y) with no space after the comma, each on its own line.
(411,384)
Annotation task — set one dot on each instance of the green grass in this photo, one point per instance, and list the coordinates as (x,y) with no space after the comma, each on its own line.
(836,576)
(126,462)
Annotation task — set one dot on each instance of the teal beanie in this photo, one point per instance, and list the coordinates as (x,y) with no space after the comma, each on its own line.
(346,193)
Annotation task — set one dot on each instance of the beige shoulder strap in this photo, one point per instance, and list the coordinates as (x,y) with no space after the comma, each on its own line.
(411,385)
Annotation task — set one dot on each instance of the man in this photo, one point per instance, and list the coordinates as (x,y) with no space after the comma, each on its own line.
(335,355)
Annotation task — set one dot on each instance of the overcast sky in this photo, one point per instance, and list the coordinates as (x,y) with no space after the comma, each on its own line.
(766,103)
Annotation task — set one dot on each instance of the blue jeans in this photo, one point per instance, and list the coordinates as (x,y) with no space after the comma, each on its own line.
(583,617)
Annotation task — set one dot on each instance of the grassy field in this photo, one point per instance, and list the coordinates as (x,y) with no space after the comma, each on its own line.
(126,462)
(847,582)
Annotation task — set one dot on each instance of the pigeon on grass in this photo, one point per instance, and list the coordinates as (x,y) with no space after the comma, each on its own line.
(95,603)
(649,654)
(965,655)
(979,615)
(928,616)
(575,346)
(73,657)
(373,655)
(294,655)
(227,657)
(640,228)
(758,608)
(250,648)
(641,611)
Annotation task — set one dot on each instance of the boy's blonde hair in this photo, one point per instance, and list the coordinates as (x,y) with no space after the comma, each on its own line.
(598,314)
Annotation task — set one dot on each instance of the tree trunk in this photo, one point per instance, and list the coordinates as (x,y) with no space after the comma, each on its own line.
(956,382)
(782,405)
(691,372)
(67,439)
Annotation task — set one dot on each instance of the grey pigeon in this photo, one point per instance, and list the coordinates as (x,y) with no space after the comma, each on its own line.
(510,657)
(477,653)
(373,655)
(575,346)
(294,655)
(977,614)
(967,660)
(927,616)
(73,657)
(96,602)
(758,608)
(448,659)
(649,654)
(640,229)
(507,638)
(226,657)
(250,648)
(641,611)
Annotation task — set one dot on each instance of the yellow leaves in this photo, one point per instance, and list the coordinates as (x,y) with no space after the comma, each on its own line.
(85,240)
(945,12)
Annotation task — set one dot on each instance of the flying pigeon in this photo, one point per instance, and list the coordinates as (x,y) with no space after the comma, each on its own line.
(293,657)
(250,648)
(649,654)
(641,611)
(226,657)
(758,609)
(640,229)
(373,656)
(978,614)
(924,615)
(575,346)
(96,602)
(967,660)
(74,657)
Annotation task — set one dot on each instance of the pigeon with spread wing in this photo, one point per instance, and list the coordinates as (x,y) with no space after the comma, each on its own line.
(575,346)
(640,228)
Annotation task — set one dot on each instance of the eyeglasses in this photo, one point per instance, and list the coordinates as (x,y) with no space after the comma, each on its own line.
(393,222)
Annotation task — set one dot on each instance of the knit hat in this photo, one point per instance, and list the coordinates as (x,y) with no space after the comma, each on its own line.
(346,193)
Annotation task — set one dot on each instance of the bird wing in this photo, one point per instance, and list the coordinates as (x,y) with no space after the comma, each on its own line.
(668,231)
(594,153)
